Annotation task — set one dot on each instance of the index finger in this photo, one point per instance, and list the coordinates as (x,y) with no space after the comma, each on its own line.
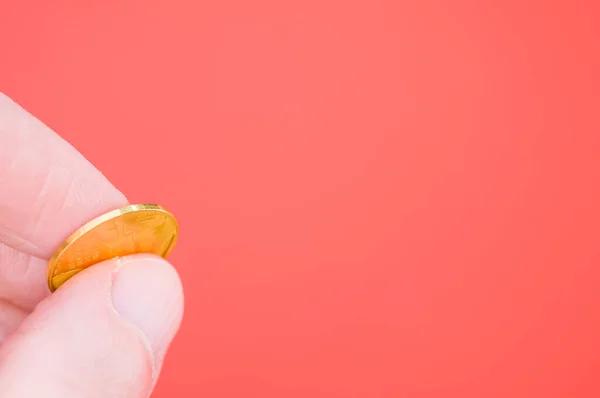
(47,190)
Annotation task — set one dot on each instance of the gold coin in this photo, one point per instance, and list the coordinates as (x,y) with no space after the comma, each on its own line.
(144,228)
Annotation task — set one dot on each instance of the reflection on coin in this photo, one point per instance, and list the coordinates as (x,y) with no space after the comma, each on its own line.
(144,228)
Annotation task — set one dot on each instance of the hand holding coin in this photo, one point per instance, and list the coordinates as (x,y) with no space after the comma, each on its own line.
(88,303)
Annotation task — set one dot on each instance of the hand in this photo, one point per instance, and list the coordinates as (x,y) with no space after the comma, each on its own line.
(105,332)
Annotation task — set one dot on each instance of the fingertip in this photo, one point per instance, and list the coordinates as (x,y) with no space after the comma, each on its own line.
(143,290)
(147,293)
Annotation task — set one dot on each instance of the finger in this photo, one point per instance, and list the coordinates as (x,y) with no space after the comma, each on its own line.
(47,189)
(10,319)
(22,278)
(104,333)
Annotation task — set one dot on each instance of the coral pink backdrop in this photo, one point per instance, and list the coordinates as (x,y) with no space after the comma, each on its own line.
(377,198)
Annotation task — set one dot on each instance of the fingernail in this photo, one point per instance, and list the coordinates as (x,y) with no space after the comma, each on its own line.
(147,292)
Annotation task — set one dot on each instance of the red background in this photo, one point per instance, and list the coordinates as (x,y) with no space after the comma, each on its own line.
(377,199)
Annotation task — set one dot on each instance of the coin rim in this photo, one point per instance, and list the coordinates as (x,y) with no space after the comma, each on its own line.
(87,227)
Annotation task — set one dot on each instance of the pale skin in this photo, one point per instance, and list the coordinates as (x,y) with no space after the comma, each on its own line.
(106,331)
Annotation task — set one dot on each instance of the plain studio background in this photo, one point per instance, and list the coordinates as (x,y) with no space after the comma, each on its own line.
(377,198)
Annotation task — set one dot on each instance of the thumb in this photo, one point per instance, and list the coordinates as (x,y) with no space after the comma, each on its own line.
(104,333)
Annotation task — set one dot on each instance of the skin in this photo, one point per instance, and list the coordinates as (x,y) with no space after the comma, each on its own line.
(106,331)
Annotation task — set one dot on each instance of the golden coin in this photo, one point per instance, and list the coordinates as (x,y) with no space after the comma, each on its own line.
(132,229)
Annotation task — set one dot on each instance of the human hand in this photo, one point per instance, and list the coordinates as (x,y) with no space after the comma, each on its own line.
(105,332)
